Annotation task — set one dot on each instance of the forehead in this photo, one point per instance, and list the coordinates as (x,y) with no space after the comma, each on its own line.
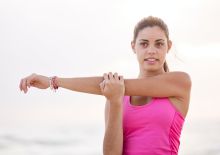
(151,33)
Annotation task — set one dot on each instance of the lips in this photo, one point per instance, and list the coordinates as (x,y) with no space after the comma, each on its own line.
(151,59)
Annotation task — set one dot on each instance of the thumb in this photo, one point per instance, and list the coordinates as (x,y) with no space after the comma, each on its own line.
(102,85)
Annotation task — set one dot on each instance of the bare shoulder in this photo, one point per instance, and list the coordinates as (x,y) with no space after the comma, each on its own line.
(182,78)
(180,74)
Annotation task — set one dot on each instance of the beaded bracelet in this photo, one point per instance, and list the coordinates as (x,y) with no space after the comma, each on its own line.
(53,83)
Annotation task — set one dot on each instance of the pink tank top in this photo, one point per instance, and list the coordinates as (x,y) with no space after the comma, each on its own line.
(151,129)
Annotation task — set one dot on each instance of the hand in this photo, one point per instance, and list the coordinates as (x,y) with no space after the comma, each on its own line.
(113,87)
(34,80)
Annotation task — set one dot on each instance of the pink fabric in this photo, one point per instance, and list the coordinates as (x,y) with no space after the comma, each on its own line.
(151,129)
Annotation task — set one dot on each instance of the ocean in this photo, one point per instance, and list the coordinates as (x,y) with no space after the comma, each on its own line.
(52,140)
(198,138)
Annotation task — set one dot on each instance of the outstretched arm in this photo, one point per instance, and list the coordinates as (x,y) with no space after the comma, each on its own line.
(172,84)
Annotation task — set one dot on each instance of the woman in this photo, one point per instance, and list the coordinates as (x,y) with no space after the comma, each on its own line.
(143,116)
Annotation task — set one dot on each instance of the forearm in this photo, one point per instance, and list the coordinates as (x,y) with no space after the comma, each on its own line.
(113,140)
(81,84)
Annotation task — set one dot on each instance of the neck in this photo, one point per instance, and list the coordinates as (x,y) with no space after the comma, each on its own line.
(144,73)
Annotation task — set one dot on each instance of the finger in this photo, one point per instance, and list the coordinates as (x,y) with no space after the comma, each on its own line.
(105,77)
(25,85)
(26,89)
(116,76)
(121,78)
(28,82)
(101,85)
(20,85)
(110,75)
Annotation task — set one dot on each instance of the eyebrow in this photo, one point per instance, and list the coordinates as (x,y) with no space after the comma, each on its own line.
(148,40)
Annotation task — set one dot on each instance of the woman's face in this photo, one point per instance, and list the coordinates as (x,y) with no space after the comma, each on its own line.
(151,47)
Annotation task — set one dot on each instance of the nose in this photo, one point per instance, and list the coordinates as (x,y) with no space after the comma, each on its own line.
(151,50)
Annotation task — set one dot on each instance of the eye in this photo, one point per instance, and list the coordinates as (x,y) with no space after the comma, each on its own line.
(159,44)
(144,44)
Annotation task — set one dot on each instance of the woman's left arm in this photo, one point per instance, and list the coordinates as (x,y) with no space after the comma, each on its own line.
(172,84)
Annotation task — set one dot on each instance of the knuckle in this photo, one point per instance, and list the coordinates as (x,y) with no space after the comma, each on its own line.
(105,75)
(32,75)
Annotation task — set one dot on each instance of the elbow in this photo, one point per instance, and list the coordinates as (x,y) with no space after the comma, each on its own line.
(184,78)
(182,83)
(187,80)
(185,84)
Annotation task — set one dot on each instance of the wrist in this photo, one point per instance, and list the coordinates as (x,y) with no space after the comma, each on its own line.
(116,101)
(53,83)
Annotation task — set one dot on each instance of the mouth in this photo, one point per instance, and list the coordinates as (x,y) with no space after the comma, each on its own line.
(151,60)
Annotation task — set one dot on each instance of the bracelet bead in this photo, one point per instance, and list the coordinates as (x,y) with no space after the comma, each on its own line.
(53,83)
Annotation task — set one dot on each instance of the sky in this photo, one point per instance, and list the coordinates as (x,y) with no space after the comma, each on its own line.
(75,38)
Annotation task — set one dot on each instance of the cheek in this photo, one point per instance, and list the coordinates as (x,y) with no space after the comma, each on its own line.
(140,55)
(163,56)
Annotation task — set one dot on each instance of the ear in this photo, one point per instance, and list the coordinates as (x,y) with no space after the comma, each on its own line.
(169,45)
(133,46)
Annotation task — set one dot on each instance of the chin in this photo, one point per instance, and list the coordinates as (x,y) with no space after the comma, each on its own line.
(151,68)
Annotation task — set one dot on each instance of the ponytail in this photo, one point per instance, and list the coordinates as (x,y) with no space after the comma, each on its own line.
(165,67)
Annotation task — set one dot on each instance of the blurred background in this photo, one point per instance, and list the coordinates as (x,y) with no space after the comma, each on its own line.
(77,38)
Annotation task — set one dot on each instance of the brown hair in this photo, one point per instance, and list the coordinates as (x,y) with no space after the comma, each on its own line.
(151,21)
